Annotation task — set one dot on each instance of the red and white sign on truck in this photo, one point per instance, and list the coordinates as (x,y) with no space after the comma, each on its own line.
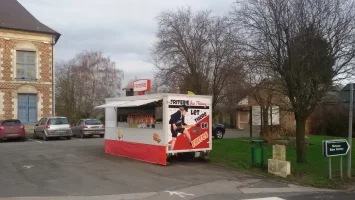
(152,127)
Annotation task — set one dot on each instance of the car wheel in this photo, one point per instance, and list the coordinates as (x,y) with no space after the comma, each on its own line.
(69,138)
(219,134)
(101,136)
(34,135)
(45,138)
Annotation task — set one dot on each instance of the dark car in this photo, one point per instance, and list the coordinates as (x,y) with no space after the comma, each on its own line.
(218,131)
(12,128)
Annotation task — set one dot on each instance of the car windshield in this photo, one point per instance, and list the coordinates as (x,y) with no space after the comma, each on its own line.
(93,122)
(11,123)
(58,121)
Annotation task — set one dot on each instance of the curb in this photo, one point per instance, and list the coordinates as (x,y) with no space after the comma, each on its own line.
(278,179)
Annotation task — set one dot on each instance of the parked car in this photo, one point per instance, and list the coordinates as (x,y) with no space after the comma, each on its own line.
(12,128)
(218,131)
(50,127)
(88,127)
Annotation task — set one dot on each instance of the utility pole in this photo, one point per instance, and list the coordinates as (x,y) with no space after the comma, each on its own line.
(350,126)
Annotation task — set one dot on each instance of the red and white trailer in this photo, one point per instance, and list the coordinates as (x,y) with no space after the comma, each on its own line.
(138,126)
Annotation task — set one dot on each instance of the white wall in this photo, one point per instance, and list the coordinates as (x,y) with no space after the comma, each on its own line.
(256,114)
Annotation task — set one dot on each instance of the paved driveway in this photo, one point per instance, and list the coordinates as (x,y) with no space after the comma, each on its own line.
(79,169)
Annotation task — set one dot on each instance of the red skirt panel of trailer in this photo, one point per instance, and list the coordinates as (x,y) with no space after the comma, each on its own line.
(143,152)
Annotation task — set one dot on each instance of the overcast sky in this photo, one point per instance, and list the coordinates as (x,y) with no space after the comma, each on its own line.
(123,30)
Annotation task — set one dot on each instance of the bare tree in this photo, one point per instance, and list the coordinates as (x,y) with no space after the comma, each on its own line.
(84,82)
(196,52)
(262,89)
(235,89)
(307,44)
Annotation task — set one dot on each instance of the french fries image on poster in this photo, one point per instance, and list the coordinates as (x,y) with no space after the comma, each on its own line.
(156,138)
(120,136)
(183,112)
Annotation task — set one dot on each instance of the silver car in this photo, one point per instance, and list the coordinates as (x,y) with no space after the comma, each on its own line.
(49,127)
(88,127)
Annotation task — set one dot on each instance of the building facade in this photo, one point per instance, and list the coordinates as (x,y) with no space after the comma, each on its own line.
(277,116)
(26,65)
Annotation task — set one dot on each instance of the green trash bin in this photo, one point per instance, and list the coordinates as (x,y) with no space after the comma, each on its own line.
(257,152)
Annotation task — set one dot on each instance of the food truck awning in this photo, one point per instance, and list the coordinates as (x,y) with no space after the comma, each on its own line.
(138,103)
(112,104)
(122,104)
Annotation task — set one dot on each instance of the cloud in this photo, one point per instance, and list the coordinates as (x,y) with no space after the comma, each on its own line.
(123,30)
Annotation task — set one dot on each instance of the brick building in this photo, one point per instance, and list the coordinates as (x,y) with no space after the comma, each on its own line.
(26,64)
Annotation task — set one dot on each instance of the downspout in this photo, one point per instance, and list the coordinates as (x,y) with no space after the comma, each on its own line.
(53,77)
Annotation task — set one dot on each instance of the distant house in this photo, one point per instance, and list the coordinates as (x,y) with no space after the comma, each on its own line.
(26,64)
(285,119)
(276,115)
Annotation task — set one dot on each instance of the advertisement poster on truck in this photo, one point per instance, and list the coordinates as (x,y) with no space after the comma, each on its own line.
(189,123)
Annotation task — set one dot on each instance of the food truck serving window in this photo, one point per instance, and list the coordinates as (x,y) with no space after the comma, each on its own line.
(140,114)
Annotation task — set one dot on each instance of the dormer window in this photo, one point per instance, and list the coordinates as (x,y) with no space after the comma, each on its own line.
(25,65)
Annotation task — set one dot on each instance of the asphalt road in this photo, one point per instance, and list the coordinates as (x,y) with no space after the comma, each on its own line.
(79,169)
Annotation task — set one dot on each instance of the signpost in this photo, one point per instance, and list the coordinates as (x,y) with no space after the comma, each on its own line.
(333,148)
(347,96)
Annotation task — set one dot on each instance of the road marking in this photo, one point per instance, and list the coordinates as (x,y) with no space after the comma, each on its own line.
(180,194)
(27,166)
(290,188)
(267,198)
(35,140)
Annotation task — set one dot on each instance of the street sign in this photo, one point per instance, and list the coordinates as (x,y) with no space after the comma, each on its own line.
(335,147)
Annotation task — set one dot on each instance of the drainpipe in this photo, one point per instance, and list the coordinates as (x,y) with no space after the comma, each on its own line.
(53,77)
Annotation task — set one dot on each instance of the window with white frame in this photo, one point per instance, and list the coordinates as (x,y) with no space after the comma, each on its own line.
(26,65)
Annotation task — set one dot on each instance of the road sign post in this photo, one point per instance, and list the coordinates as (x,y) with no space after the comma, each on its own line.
(333,148)
(330,167)
(350,126)
(341,167)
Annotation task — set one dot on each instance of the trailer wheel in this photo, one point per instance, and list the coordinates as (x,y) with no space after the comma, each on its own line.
(168,159)
(186,156)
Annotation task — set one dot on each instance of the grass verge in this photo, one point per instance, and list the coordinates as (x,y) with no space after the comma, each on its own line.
(236,153)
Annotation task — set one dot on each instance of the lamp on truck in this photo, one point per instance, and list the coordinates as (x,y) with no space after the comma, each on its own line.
(129,91)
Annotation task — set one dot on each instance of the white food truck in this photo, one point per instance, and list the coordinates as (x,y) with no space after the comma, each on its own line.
(152,127)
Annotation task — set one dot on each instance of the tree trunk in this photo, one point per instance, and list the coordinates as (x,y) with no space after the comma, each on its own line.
(271,118)
(232,118)
(300,139)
